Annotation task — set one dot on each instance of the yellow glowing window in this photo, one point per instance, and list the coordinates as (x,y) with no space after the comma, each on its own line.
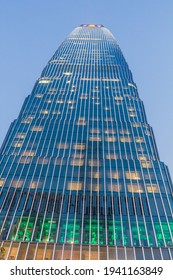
(17,183)
(62,146)
(125,139)
(95,187)
(95,138)
(93,162)
(110,139)
(94,130)
(139,140)
(146,164)
(114,187)
(96,175)
(113,175)
(33,185)
(110,131)
(142,158)
(131,114)
(79,146)
(75,186)
(81,122)
(124,131)
(38,95)
(152,188)
(135,124)
(48,101)
(45,112)
(17,145)
(20,135)
(44,81)
(1,182)
(111,156)
(28,153)
(118,98)
(106,108)
(60,101)
(37,128)
(135,188)
(132,175)
(131,109)
(77,162)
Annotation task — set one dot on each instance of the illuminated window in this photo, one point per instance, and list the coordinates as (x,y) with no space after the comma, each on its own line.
(95,175)
(132,175)
(60,101)
(93,162)
(28,153)
(45,112)
(95,187)
(62,146)
(44,81)
(84,96)
(124,131)
(94,138)
(17,144)
(70,101)
(152,188)
(113,175)
(110,139)
(81,121)
(131,114)
(139,140)
(110,131)
(143,158)
(56,113)
(146,164)
(48,101)
(17,183)
(43,160)
(106,108)
(38,95)
(20,135)
(135,188)
(135,124)
(111,156)
(118,98)
(79,146)
(125,139)
(77,162)
(114,187)
(78,155)
(74,186)
(36,128)
(1,182)
(33,185)
(131,109)
(59,161)
(132,85)
(67,73)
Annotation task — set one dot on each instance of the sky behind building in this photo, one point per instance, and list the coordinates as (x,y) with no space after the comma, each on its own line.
(32,30)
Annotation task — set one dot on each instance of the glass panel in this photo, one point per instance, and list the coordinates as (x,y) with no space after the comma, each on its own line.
(31,251)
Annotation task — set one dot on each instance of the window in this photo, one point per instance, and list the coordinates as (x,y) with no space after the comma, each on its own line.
(20,135)
(110,139)
(45,112)
(132,175)
(94,130)
(113,175)
(60,101)
(114,187)
(74,186)
(79,146)
(146,164)
(17,144)
(139,140)
(77,162)
(93,162)
(152,188)
(38,95)
(125,139)
(28,153)
(81,121)
(44,81)
(17,183)
(94,138)
(110,131)
(36,128)
(135,188)
(111,156)
(1,182)
(62,146)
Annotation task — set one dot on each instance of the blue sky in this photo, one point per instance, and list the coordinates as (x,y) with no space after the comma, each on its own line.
(31,31)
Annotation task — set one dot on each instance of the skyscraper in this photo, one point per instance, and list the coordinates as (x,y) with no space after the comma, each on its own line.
(80,174)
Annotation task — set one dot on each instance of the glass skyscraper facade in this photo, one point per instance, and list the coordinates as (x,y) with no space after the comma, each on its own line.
(80,174)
